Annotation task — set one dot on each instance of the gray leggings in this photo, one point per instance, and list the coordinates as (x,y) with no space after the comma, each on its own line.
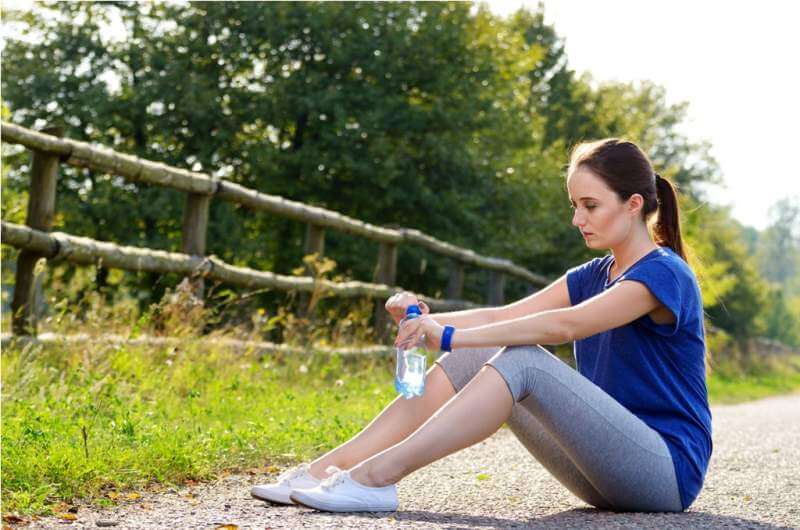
(594,446)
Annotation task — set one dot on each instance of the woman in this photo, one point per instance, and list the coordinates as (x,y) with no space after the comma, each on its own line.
(630,430)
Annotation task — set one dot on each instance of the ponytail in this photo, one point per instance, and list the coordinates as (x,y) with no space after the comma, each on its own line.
(667,229)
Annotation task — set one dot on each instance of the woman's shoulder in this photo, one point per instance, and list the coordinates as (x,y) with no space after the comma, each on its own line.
(665,263)
(667,257)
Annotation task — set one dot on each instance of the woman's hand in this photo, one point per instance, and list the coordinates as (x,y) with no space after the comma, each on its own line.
(397,304)
(410,332)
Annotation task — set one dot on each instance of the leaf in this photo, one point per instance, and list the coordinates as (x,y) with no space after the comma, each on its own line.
(13,519)
(483,476)
(133,496)
(68,516)
(228,526)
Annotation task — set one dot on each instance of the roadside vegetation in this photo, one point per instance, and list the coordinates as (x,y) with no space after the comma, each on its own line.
(97,422)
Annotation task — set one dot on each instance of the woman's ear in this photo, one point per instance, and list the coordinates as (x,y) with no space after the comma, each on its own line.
(635,203)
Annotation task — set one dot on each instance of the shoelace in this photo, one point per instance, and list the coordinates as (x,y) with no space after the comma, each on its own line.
(290,474)
(333,480)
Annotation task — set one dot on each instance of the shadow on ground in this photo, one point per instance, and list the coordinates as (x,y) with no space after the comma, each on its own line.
(575,518)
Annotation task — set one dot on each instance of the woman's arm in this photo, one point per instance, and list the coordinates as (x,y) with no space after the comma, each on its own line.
(623,303)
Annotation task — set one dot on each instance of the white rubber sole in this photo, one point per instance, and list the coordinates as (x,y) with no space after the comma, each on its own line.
(316,504)
(273,498)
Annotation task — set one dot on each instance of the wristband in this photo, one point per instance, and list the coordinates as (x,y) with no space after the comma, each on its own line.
(447,338)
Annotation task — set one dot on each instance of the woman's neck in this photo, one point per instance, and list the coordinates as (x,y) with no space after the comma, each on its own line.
(632,250)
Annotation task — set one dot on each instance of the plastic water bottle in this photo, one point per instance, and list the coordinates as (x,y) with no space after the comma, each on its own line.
(409,377)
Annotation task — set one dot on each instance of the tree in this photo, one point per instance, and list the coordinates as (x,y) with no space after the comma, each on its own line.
(425,115)
(734,296)
(779,246)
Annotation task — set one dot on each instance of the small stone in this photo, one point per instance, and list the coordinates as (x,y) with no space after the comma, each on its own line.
(106,522)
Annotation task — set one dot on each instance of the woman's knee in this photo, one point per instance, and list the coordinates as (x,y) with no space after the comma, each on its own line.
(520,366)
(462,364)
(439,381)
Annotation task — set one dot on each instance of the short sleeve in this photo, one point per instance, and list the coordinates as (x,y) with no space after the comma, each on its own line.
(666,286)
(579,277)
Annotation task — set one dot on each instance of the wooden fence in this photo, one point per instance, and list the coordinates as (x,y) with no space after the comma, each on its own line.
(35,240)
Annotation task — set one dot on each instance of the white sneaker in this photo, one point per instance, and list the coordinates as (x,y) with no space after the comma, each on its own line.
(296,477)
(340,493)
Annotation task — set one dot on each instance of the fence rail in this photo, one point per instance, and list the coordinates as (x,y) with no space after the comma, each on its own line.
(86,251)
(49,150)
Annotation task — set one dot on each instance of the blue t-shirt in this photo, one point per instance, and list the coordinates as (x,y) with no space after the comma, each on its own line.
(657,371)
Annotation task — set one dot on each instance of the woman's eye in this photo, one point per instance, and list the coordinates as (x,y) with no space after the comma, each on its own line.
(590,206)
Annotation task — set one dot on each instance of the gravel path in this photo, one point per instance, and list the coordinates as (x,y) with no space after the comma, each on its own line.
(753,482)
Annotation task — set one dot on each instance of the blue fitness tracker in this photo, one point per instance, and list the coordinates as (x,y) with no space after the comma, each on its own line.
(447,338)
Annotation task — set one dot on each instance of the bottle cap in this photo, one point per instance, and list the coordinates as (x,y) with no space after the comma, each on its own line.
(413,309)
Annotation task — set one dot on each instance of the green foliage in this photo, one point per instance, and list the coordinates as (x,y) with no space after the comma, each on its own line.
(158,416)
(91,423)
(777,253)
(737,381)
(778,247)
(734,295)
(428,115)
(326,103)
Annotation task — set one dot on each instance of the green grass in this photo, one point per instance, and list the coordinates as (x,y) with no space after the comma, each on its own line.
(737,382)
(162,416)
(88,421)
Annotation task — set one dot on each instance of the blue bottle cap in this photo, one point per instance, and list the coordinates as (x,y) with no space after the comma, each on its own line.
(413,309)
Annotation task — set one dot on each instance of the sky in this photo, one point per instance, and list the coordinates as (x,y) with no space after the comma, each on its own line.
(731,61)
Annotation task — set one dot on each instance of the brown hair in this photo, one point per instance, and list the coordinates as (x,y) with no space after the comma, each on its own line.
(626,169)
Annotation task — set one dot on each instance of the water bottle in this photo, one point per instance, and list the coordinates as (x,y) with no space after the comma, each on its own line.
(409,377)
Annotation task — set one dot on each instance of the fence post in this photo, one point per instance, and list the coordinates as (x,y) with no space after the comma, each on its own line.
(41,209)
(315,240)
(497,283)
(314,243)
(385,273)
(195,227)
(455,284)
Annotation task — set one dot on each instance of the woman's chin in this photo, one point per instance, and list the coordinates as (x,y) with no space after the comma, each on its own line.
(595,245)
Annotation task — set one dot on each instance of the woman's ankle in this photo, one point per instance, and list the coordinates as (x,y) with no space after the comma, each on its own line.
(316,472)
(368,474)
(318,469)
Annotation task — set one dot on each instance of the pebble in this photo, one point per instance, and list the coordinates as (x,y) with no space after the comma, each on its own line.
(520,493)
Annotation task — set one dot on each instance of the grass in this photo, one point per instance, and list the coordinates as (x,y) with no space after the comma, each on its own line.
(87,423)
(732,382)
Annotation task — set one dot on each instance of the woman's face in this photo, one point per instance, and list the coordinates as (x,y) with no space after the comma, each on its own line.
(603,219)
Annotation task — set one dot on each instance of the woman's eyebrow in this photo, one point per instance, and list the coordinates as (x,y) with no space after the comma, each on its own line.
(584,199)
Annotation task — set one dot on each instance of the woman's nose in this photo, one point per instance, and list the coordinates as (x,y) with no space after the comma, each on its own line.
(576,221)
